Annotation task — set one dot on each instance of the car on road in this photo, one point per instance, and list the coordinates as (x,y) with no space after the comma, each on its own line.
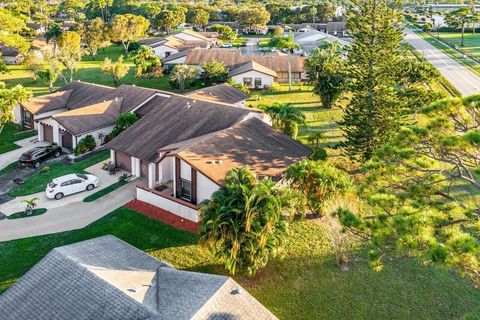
(226,45)
(70,184)
(37,155)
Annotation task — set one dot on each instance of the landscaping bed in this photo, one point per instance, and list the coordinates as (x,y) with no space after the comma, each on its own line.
(104,191)
(38,181)
(22,214)
(306,284)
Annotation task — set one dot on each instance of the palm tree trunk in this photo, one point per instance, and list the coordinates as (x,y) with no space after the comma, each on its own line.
(289,72)
(463,32)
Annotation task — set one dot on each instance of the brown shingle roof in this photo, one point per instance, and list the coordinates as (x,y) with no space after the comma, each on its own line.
(233,58)
(85,94)
(220,93)
(172,120)
(46,103)
(96,116)
(250,143)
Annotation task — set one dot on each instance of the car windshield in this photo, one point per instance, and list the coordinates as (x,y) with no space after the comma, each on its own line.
(52,185)
(82,176)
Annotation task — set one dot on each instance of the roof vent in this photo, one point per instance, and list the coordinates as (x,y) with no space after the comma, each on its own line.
(116,99)
(220,161)
(133,289)
(235,292)
(188,105)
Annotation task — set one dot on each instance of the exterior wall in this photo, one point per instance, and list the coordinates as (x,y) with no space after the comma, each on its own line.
(205,187)
(266,79)
(165,170)
(98,135)
(10,59)
(17,113)
(161,51)
(168,204)
(261,116)
(185,171)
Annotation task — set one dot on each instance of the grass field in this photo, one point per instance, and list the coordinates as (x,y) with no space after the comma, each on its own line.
(103,192)
(88,71)
(38,181)
(304,285)
(10,133)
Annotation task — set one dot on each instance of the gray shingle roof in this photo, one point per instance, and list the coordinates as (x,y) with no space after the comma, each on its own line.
(172,120)
(224,93)
(106,278)
(249,66)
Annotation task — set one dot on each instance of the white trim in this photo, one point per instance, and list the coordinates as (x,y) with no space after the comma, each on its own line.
(151,175)
(112,156)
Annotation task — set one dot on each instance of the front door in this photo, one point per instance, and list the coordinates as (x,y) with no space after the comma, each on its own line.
(47,133)
(67,140)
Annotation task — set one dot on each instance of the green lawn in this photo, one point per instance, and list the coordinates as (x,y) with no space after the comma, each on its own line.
(22,214)
(304,285)
(38,181)
(103,192)
(10,133)
(471,42)
(88,71)
(301,96)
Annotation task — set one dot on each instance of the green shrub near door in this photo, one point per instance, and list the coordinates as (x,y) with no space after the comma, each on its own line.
(86,144)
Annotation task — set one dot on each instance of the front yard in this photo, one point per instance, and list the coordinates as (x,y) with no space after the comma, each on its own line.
(10,133)
(38,181)
(305,285)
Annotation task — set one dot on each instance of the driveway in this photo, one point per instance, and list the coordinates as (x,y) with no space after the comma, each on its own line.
(25,145)
(460,77)
(70,213)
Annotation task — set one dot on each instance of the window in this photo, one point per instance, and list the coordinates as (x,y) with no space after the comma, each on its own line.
(167,53)
(66,183)
(258,82)
(185,189)
(247,81)
(27,118)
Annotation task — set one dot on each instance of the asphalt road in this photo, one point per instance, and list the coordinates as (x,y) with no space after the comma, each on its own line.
(460,77)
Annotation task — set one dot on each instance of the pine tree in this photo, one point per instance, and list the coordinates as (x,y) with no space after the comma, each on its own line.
(375,111)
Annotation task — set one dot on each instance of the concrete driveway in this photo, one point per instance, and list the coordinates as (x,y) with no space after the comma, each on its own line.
(25,145)
(69,213)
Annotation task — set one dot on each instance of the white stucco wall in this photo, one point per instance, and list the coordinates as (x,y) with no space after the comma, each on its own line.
(97,134)
(10,60)
(166,169)
(167,204)
(185,171)
(17,113)
(266,79)
(205,187)
(161,51)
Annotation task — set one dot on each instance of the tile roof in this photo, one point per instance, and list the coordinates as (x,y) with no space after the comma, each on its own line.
(172,120)
(220,93)
(252,143)
(106,278)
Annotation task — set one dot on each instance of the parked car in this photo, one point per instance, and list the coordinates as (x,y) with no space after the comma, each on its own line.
(226,45)
(70,184)
(37,155)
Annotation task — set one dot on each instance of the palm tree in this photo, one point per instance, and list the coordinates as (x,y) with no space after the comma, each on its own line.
(183,73)
(54,31)
(49,77)
(290,45)
(319,182)
(30,205)
(285,117)
(315,138)
(244,223)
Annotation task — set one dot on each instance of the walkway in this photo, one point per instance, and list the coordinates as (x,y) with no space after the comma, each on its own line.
(70,213)
(460,77)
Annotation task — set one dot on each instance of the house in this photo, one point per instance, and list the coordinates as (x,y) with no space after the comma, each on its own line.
(10,55)
(312,39)
(106,278)
(253,75)
(38,28)
(223,93)
(234,59)
(79,109)
(184,147)
(177,42)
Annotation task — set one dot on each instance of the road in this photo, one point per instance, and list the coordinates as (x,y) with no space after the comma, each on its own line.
(460,77)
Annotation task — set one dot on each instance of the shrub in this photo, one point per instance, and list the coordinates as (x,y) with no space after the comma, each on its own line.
(85,145)
(275,87)
(318,154)
(291,129)
(45,169)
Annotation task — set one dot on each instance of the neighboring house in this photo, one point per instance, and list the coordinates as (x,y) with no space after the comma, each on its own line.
(106,278)
(10,55)
(183,148)
(177,42)
(253,75)
(233,59)
(313,38)
(79,109)
(36,27)
(223,93)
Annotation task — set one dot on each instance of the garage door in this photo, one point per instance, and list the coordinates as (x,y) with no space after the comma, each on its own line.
(123,161)
(144,168)
(47,133)
(67,140)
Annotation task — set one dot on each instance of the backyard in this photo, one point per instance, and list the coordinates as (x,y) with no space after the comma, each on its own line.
(304,285)
(10,133)
(88,71)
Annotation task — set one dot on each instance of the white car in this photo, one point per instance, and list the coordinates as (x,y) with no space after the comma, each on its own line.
(70,184)
(226,45)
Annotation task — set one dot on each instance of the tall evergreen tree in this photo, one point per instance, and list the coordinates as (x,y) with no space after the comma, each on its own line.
(376,79)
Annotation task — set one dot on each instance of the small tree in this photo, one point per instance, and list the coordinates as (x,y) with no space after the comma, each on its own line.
(127,28)
(285,117)
(147,63)
(9,99)
(33,63)
(226,33)
(117,70)
(169,19)
(86,144)
(244,224)
(69,45)
(182,74)
(459,19)
(94,34)
(318,182)
(325,71)
(214,71)
(49,77)
(53,33)
(30,204)
(198,17)
(278,32)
